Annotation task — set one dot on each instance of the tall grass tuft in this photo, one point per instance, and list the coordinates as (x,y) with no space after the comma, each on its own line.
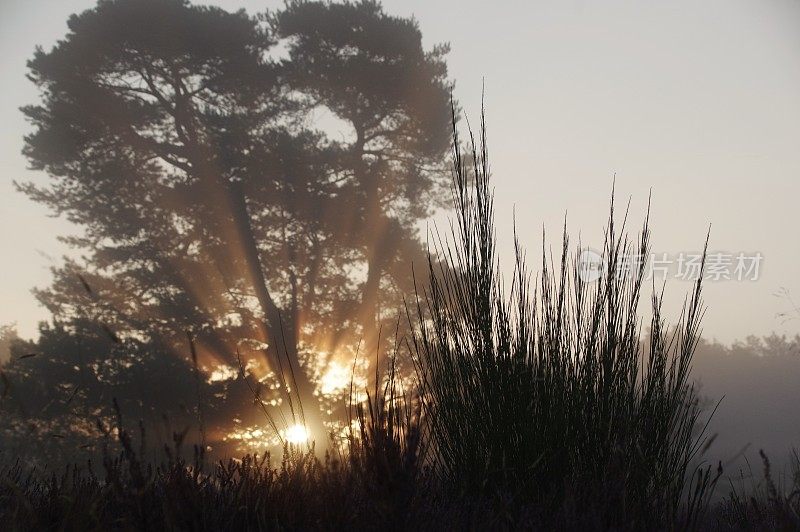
(386,445)
(544,393)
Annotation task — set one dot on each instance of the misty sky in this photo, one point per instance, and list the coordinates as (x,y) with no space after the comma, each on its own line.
(699,101)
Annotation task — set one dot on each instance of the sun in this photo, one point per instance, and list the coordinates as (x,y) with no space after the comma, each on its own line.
(296,435)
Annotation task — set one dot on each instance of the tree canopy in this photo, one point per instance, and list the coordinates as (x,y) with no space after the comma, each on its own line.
(212,207)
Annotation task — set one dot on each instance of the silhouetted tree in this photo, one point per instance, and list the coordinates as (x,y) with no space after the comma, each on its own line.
(370,70)
(55,391)
(208,206)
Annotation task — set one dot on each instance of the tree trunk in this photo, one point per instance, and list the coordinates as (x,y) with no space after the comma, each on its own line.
(375,231)
(280,332)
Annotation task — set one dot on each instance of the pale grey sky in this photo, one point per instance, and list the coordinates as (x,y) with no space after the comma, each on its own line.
(698,100)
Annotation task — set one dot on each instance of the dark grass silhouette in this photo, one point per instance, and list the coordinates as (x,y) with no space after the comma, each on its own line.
(544,394)
(535,407)
(762,504)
